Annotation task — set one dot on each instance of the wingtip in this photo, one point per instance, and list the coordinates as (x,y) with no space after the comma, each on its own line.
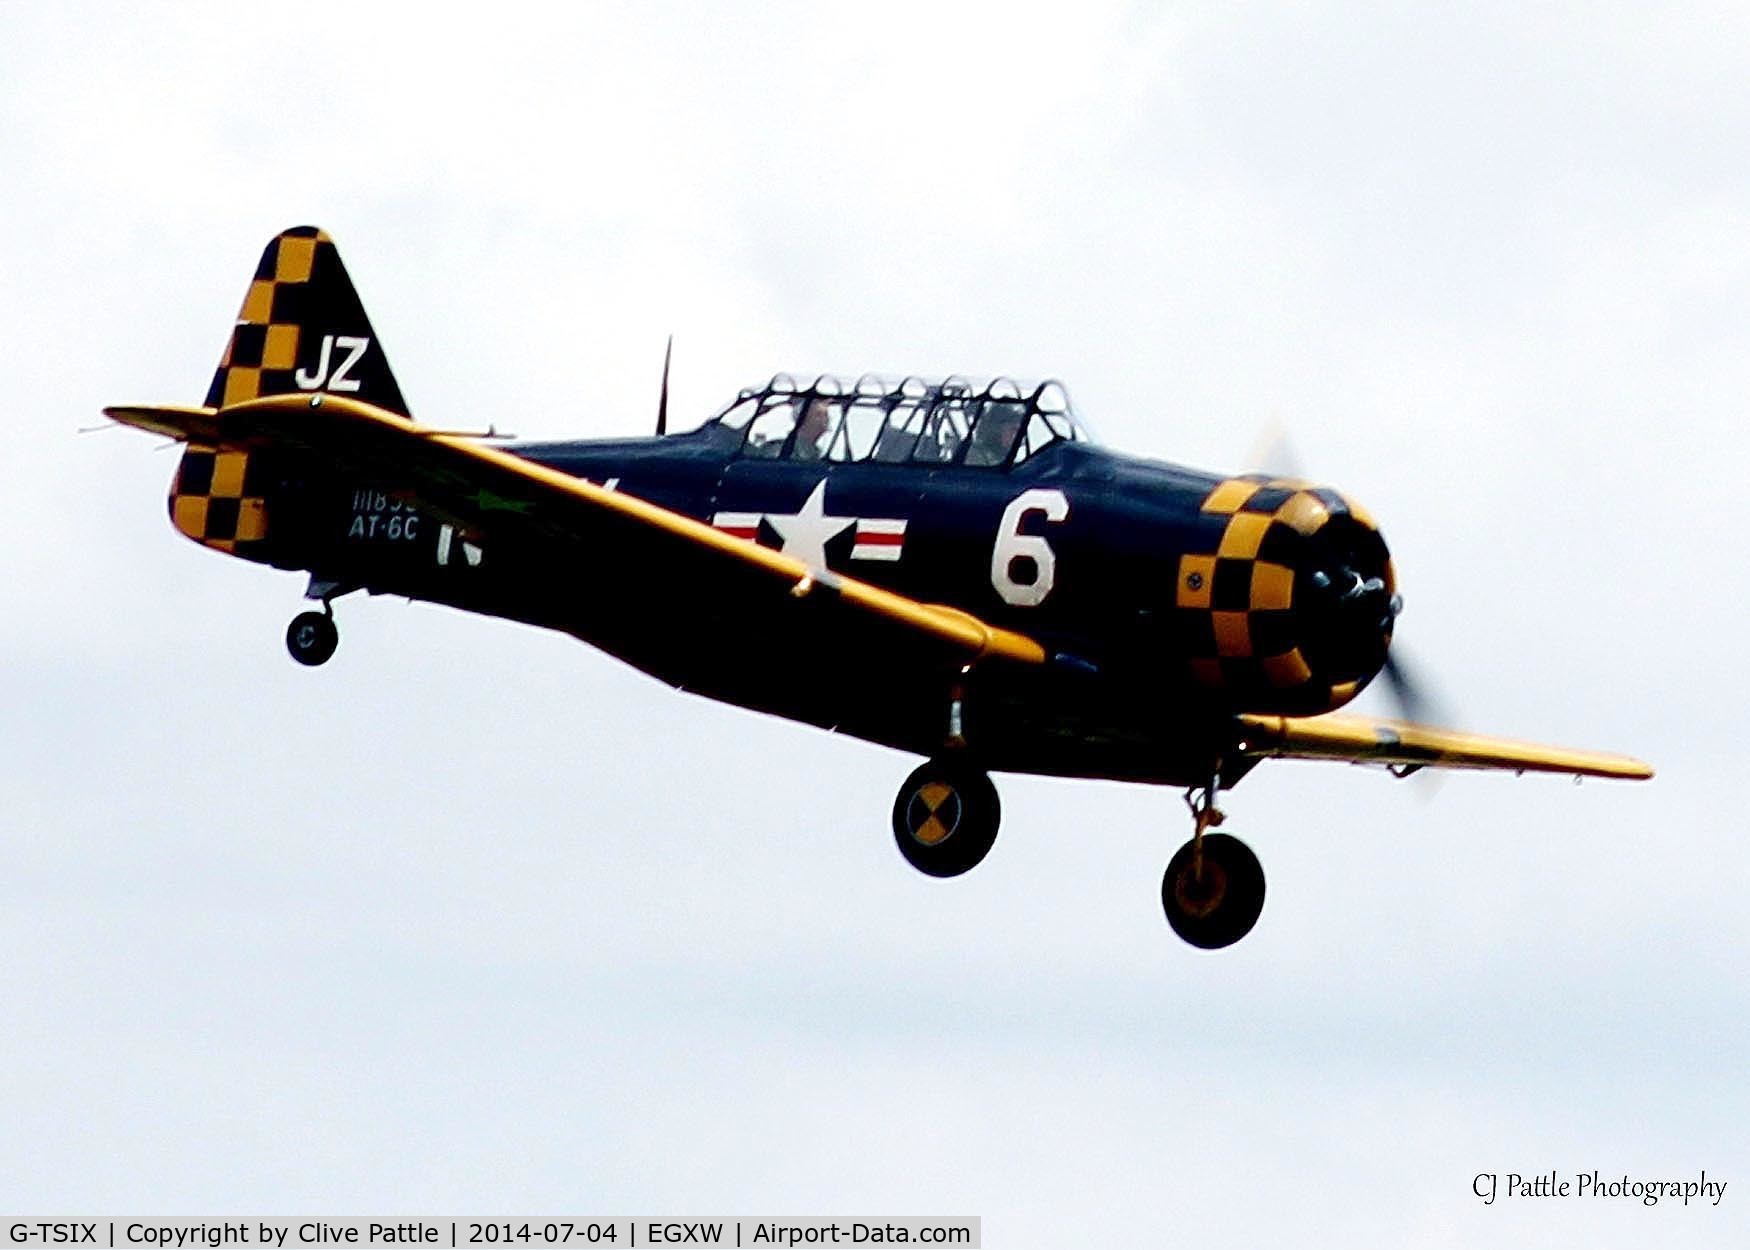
(1623,768)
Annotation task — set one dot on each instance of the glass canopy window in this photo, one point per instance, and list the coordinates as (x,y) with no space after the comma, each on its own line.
(911,421)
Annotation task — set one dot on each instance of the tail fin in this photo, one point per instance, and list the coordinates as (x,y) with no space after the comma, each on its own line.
(302,328)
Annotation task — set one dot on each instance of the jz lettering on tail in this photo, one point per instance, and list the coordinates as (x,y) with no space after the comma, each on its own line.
(341,378)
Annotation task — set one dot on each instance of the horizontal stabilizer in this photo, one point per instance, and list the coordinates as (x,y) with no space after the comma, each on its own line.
(171,420)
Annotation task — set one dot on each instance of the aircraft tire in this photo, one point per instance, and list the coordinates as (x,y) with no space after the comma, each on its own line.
(1223,907)
(945,818)
(312,638)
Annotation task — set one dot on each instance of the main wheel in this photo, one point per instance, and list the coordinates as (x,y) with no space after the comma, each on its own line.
(312,637)
(1219,907)
(945,818)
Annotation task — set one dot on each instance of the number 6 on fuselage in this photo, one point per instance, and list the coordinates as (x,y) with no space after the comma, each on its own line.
(1023,568)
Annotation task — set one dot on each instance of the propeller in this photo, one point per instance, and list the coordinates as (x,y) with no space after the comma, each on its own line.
(1416,700)
(1274,453)
(1420,706)
(662,400)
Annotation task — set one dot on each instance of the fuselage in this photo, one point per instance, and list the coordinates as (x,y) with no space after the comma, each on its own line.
(1169,599)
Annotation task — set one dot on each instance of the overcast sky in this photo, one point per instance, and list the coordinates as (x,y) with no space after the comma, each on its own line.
(475,919)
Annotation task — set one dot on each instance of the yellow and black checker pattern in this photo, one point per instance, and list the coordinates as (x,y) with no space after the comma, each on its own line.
(1236,595)
(216,500)
(262,356)
(210,501)
(301,318)
(302,328)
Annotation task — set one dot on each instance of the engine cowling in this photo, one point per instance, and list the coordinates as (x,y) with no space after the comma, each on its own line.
(1289,605)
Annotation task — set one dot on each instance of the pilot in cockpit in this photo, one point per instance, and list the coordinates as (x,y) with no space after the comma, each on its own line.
(811,431)
(994,434)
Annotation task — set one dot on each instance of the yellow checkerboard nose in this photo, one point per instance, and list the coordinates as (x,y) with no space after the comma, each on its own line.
(1240,592)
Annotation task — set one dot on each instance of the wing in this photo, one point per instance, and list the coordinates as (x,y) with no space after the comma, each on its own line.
(1362,740)
(491,492)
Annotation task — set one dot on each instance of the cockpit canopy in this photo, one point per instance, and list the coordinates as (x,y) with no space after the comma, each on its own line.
(911,421)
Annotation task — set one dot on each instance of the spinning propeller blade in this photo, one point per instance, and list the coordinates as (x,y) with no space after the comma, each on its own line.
(1415,700)
(1274,453)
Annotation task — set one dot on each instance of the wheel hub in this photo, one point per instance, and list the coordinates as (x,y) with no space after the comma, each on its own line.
(1200,898)
(933,813)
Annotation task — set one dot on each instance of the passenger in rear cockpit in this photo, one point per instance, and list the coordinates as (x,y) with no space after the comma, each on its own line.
(811,431)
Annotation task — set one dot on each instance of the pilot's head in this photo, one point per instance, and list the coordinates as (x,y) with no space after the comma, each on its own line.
(812,428)
(1003,420)
(994,434)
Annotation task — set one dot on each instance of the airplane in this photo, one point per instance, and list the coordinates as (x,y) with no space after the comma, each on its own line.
(950,568)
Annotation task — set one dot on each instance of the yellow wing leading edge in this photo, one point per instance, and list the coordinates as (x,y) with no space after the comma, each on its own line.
(1364,740)
(451,475)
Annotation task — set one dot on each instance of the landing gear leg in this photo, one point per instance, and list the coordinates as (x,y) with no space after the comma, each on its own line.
(1213,890)
(312,636)
(946,815)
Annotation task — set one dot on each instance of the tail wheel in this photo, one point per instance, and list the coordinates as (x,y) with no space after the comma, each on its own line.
(1218,905)
(945,818)
(312,637)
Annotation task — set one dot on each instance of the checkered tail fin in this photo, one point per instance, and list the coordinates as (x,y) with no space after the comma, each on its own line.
(302,329)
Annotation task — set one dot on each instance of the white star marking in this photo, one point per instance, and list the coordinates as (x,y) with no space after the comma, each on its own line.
(807,533)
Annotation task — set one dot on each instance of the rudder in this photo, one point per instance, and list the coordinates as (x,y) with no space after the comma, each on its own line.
(302,329)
